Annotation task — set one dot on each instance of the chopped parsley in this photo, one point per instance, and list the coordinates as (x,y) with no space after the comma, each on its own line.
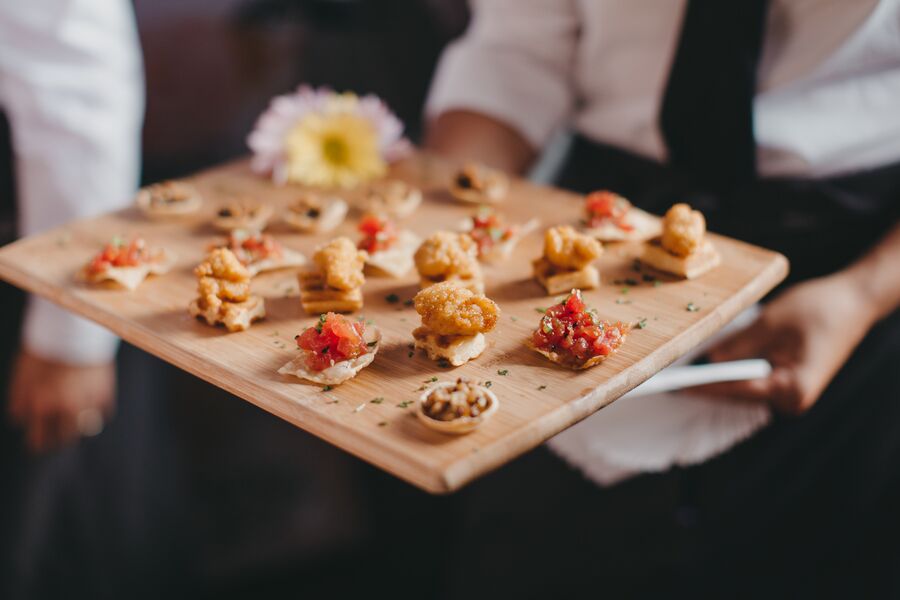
(541,310)
(488,384)
(405,404)
(657,283)
(392,298)
(542,388)
(503,372)
(624,290)
(377,400)
(622,301)
(327,388)
(410,354)
(642,323)
(320,323)
(691,307)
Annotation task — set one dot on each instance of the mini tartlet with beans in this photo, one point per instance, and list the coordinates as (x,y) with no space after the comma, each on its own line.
(478,184)
(314,212)
(242,213)
(456,407)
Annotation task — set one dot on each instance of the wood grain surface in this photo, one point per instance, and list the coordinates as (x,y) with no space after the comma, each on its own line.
(368,416)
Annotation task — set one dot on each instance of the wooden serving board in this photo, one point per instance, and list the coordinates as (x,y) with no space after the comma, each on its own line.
(372,416)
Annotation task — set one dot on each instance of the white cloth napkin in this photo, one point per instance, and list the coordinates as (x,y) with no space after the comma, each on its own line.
(651,433)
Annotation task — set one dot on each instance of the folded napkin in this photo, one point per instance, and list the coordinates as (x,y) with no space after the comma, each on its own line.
(647,433)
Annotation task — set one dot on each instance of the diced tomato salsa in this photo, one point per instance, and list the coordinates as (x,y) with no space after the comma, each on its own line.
(487,231)
(568,328)
(333,339)
(605,206)
(254,247)
(118,254)
(378,234)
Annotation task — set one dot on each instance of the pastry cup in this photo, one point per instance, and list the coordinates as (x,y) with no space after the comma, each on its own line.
(131,277)
(702,260)
(398,260)
(317,298)
(455,349)
(459,425)
(189,203)
(235,316)
(645,227)
(254,217)
(328,215)
(559,281)
(340,371)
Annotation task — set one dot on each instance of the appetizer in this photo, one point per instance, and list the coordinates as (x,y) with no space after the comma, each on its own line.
(392,198)
(495,240)
(574,337)
(243,214)
(567,259)
(315,213)
(683,249)
(127,264)
(261,252)
(448,256)
(454,321)
(334,350)
(389,251)
(223,287)
(168,199)
(335,283)
(479,184)
(612,218)
(456,407)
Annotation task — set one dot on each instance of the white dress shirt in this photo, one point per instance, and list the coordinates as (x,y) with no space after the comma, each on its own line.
(828,99)
(71,86)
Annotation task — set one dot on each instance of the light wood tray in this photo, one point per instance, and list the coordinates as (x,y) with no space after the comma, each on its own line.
(538,399)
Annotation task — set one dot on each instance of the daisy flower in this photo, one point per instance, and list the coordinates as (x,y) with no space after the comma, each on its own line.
(321,138)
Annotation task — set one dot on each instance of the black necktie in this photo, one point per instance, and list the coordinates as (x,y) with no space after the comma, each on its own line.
(707,111)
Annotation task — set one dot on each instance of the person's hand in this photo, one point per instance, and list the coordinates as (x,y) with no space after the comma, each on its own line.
(807,333)
(56,403)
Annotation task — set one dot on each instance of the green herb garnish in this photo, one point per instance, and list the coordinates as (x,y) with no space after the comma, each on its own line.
(392,298)
(503,372)
(691,307)
(377,400)
(327,388)
(542,388)
(642,323)
(488,384)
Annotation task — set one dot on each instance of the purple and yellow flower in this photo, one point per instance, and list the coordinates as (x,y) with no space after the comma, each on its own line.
(321,138)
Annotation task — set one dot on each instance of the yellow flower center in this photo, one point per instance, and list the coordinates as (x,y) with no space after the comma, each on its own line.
(333,150)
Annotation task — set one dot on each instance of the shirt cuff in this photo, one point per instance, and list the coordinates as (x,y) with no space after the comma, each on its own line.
(56,334)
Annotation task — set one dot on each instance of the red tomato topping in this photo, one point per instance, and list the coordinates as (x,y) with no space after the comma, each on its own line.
(333,339)
(487,231)
(254,247)
(117,254)
(606,206)
(567,328)
(378,234)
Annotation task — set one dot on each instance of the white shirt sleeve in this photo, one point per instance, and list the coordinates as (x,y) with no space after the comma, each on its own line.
(71,85)
(515,64)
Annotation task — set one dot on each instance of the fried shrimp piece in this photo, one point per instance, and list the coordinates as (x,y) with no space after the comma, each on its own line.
(341,264)
(565,248)
(445,253)
(683,229)
(221,263)
(449,309)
